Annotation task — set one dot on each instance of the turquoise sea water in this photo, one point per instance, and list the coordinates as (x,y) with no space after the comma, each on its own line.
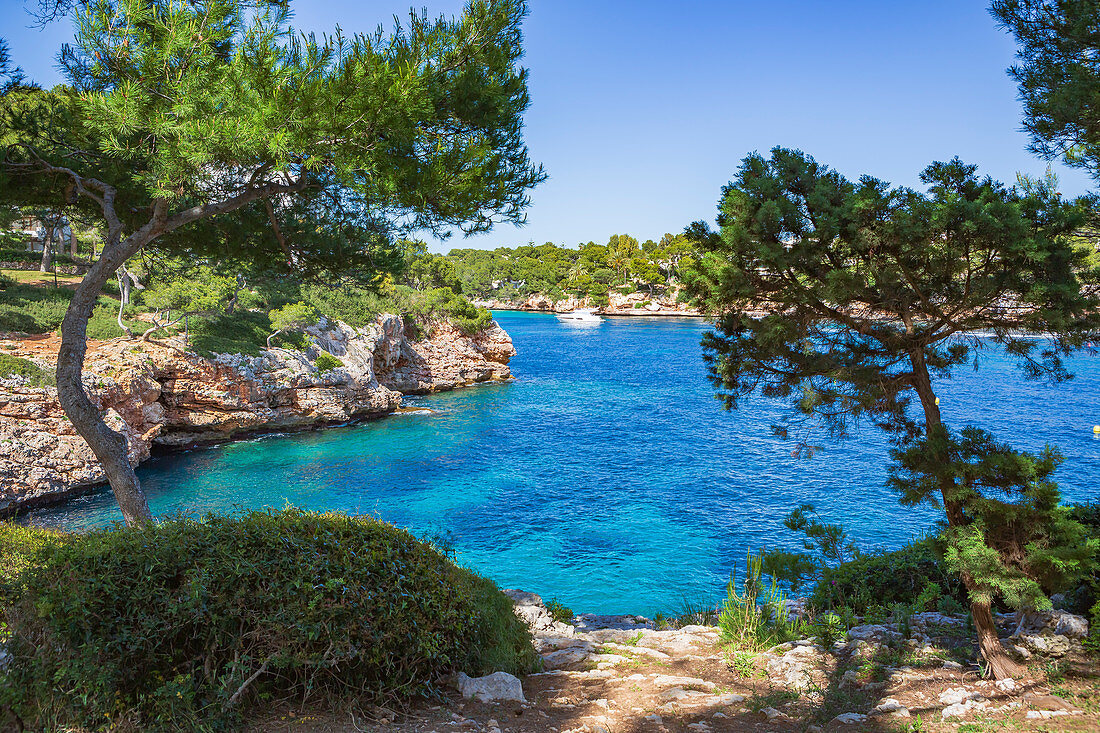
(606,475)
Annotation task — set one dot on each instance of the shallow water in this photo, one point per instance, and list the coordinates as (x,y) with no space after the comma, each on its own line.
(607,475)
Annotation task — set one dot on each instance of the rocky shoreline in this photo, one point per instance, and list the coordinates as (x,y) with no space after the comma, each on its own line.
(159,395)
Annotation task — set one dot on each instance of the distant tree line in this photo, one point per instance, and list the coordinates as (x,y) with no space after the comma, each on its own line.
(589,269)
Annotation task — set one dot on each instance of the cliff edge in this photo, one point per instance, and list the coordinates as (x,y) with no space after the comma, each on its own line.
(159,394)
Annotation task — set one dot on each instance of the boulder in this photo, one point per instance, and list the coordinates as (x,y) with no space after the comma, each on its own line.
(495,687)
(874,633)
(1054,645)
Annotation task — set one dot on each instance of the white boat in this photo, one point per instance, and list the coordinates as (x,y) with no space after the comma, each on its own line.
(581,314)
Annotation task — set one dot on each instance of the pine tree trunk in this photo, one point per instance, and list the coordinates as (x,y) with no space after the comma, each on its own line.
(109,446)
(1000,664)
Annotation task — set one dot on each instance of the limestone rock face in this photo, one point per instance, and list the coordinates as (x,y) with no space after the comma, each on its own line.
(158,394)
(447,360)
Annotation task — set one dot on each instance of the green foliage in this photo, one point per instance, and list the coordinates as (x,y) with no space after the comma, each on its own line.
(514,273)
(1055,83)
(33,309)
(1014,539)
(828,629)
(34,374)
(799,241)
(326,362)
(755,617)
(19,550)
(201,290)
(243,332)
(826,545)
(160,626)
(559,611)
(294,316)
(885,578)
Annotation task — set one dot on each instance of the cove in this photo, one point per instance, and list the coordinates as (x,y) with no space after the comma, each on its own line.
(607,475)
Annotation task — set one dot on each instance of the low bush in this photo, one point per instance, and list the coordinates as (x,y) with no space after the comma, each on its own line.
(326,362)
(885,578)
(559,611)
(34,374)
(184,624)
(241,332)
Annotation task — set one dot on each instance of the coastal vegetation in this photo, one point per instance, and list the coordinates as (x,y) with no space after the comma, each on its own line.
(191,623)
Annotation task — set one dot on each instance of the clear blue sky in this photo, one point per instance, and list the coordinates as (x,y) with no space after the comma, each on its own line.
(642,110)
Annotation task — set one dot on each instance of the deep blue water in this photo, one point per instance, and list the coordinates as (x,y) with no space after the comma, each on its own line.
(607,475)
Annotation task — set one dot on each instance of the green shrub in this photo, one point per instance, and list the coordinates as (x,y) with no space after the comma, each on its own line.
(35,375)
(160,627)
(19,549)
(326,362)
(242,332)
(887,578)
(559,611)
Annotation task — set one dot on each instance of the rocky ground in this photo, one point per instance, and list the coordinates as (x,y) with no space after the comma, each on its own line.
(620,675)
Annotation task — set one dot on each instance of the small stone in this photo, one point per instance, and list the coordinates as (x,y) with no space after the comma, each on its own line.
(1006,685)
(887,705)
(951,664)
(655,719)
(849,718)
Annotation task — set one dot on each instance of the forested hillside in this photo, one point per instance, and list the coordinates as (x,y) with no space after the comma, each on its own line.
(588,270)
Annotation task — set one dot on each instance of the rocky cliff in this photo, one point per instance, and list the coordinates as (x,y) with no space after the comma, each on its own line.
(159,394)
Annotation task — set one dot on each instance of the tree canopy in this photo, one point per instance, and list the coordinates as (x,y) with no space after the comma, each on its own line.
(1058,76)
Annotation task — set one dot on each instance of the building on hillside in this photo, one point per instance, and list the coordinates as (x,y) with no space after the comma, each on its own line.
(34,233)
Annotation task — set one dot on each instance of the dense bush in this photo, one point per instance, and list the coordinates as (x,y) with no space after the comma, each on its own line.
(22,254)
(19,549)
(326,362)
(181,624)
(883,579)
(1085,599)
(442,304)
(36,375)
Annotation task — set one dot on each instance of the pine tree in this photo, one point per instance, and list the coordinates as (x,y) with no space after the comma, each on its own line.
(210,128)
(847,300)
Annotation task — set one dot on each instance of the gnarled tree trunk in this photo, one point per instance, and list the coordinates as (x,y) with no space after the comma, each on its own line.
(1001,666)
(109,446)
